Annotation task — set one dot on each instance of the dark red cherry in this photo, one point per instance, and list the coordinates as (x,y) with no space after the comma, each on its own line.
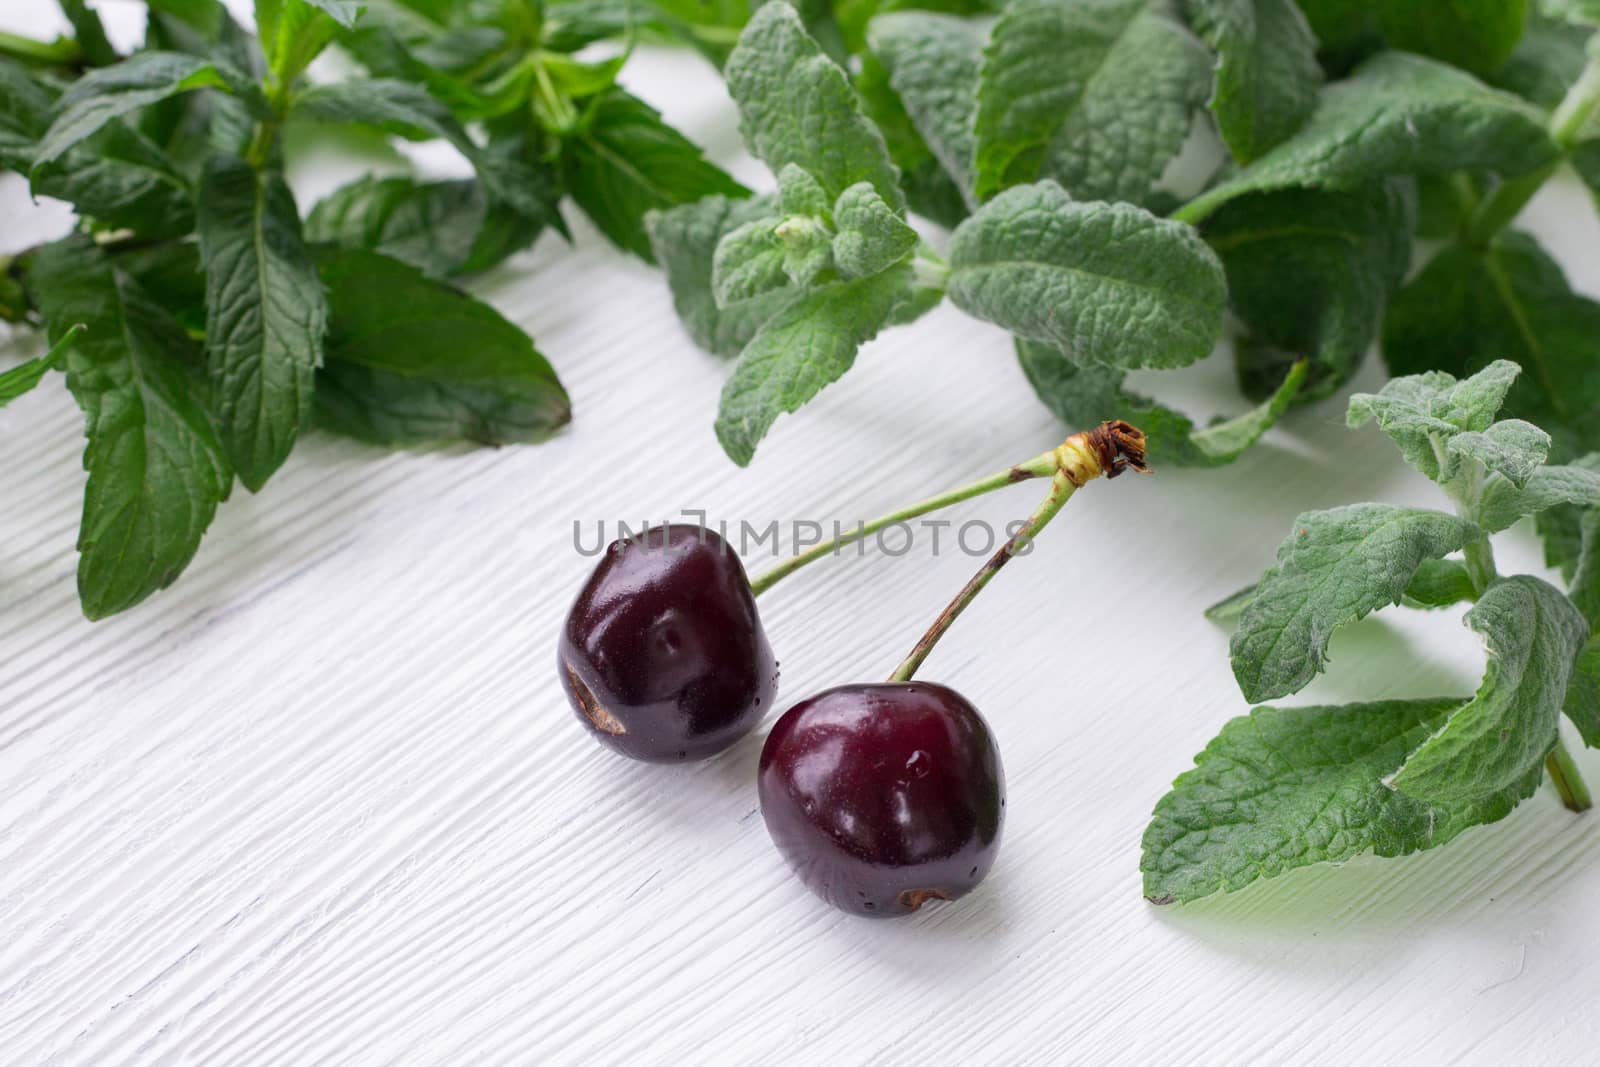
(883,797)
(663,656)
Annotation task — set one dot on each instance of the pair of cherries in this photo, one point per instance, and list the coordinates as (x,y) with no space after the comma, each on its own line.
(880,796)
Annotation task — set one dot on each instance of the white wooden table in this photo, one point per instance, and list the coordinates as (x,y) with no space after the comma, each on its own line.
(323,802)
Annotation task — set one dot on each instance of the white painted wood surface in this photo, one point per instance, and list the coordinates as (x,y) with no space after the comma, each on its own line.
(322,802)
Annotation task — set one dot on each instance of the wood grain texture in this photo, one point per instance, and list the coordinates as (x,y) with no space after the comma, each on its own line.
(323,803)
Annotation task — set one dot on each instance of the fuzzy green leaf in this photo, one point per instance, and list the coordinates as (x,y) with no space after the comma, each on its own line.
(1510,301)
(265,315)
(1583,693)
(1510,448)
(685,241)
(1398,114)
(796,106)
(156,468)
(1086,395)
(871,237)
(625,162)
(1267,73)
(1309,274)
(801,194)
(748,262)
(1440,583)
(1105,283)
(1422,412)
(1533,634)
(410,359)
(933,63)
(807,346)
(1336,567)
(1097,95)
(1282,788)
(1503,501)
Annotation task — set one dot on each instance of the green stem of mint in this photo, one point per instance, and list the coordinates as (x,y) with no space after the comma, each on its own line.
(1567,124)
(61,52)
(1479,559)
(1061,489)
(1567,779)
(1040,466)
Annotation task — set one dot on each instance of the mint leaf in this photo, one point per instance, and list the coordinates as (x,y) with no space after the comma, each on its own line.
(933,63)
(625,162)
(411,360)
(1503,501)
(1533,634)
(441,228)
(1336,567)
(685,241)
(1476,34)
(1105,283)
(1583,693)
(1267,73)
(801,194)
(796,106)
(1510,448)
(807,346)
(143,79)
(930,191)
(1509,301)
(90,32)
(156,468)
(1309,273)
(1083,395)
(749,261)
(1397,114)
(1440,583)
(1282,788)
(871,237)
(408,111)
(265,315)
(116,175)
(1422,412)
(1096,95)
(25,376)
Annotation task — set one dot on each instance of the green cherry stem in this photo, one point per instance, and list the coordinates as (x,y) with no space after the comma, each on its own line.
(1040,466)
(1568,781)
(1108,449)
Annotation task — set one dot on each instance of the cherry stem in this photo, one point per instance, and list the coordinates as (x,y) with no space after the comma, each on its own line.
(1568,780)
(1040,466)
(1109,449)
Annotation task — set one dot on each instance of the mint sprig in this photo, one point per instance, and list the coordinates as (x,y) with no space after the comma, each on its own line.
(212,325)
(1282,788)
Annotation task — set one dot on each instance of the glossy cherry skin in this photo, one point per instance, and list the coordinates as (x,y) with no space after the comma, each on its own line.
(884,796)
(663,656)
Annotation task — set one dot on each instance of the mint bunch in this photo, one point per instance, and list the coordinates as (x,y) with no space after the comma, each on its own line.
(1041,134)
(204,320)
(1286,787)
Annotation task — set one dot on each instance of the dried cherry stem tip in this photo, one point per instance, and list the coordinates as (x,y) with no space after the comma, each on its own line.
(1108,449)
